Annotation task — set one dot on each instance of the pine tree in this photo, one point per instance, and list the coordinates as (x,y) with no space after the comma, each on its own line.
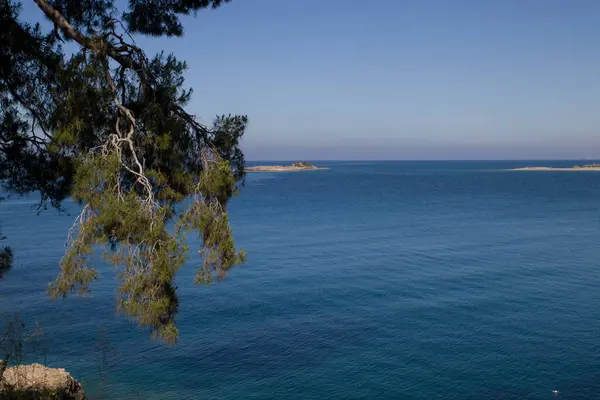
(106,125)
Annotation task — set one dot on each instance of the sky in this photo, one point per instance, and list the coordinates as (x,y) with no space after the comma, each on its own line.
(393,79)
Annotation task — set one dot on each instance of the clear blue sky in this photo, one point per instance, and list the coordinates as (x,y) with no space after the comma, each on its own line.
(392,79)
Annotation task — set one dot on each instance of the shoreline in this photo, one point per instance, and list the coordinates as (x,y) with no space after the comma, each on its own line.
(279,168)
(295,167)
(555,169)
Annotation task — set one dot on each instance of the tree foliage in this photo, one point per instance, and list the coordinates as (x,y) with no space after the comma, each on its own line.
(6,256)
(106,125)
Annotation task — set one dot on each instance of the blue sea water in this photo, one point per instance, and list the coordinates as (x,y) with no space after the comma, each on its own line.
(387,280)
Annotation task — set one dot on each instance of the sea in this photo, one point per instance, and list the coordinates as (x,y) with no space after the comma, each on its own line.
(368,280)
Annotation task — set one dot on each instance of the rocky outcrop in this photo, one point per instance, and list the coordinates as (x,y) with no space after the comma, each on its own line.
(574,168)
(304,164)
(297,166)
(36,381)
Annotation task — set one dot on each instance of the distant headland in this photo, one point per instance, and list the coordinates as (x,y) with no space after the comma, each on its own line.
(297,166)
(584,167)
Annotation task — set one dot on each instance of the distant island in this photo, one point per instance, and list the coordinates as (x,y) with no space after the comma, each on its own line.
(297,166)
(584,167)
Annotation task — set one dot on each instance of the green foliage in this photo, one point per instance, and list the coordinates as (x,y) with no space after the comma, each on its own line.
(106,125)
(6,257)
(162,19)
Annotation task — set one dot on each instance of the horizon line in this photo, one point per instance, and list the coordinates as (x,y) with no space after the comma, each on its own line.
(422,159)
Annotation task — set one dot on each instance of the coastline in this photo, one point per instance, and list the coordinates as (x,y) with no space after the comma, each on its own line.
(555,169)
(279,168)
(294,167)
